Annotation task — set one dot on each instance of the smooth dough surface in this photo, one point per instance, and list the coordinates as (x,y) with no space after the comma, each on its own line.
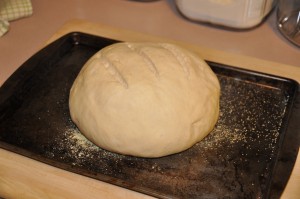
(145,99)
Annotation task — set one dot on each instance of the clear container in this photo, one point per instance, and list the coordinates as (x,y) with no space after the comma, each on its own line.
(288,20)
(239,14)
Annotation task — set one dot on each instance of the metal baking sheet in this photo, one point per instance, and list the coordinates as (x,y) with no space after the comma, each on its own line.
(249,154)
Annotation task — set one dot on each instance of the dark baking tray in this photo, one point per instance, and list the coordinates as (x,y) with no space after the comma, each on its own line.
(249,154)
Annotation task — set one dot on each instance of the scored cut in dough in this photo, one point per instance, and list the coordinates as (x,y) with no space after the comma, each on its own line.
(145,99)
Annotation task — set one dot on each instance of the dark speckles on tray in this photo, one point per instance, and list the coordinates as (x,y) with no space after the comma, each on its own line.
(243,143)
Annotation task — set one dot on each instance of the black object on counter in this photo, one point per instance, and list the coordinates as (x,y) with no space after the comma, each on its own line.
(249,154)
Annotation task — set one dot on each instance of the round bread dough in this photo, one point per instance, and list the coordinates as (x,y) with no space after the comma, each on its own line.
(145,99)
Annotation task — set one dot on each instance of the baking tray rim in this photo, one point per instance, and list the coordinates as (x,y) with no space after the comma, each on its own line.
(75,36)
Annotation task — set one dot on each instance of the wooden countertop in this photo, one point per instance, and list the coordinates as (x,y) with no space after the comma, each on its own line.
(159,18)
(21,177)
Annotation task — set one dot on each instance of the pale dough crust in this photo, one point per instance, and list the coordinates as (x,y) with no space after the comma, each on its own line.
(145,99)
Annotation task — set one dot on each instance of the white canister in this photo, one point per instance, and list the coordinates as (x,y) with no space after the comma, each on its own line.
(240,14)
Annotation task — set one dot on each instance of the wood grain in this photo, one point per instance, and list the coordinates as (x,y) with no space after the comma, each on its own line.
(21,177)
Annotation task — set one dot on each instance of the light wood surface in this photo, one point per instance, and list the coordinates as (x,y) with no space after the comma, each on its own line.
(21,177)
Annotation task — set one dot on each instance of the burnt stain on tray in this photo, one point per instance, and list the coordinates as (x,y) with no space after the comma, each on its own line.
(237,159)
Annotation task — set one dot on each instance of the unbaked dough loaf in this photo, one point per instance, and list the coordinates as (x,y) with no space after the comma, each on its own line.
(145,99)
